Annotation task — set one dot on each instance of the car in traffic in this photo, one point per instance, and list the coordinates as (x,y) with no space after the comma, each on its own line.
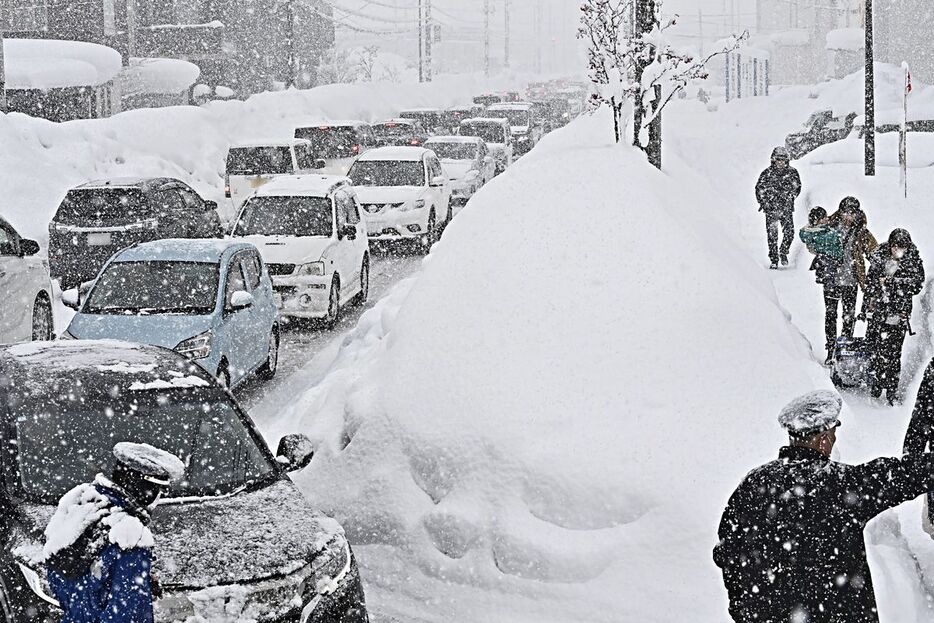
(466,162)
(233,536)
(404,193)
(431,119)
(455,114)
(821,128)
(311,234)
(97,219)
(252,165)
(524,125)
(337,143)
(399,133)
(26,308)
(497,135)
(209,300)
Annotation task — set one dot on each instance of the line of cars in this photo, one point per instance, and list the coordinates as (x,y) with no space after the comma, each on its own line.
(177,301)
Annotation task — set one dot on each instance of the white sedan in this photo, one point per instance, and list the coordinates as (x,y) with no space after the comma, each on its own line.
(26,305)
(466,161)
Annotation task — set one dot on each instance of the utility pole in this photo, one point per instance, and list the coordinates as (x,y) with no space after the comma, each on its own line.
(645,22)
(537,23)
(506,42)
(421,42)
(700,29)
(487,10)
(869,129)
(429,40)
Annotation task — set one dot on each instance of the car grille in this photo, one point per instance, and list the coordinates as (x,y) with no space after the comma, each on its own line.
(285,290)
(376,208)
(280,269)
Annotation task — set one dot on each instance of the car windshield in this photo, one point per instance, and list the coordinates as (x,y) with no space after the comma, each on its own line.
(453,151)
(272,160)
(388,173)
(286,216)
(103,206)
(393,129)
(331,142)
(515,117)
(490,132)
(155,287)
(65,436)
(429,118)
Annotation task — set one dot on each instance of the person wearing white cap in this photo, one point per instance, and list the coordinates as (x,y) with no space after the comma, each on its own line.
(791,538)
(98,547)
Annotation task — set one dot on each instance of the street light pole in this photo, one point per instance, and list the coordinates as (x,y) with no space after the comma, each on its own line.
(869,128)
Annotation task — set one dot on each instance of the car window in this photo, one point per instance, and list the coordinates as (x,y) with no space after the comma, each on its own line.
(235,281)
(192,200)
(168,202)
(251,270)
(303,157)
(434,168)
(8,241)
(346,209)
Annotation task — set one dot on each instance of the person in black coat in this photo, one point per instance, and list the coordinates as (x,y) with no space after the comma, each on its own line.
(791,538)
(776,191)
(895,276)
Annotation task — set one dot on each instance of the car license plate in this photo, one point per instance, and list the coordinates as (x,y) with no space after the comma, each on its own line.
(99,240)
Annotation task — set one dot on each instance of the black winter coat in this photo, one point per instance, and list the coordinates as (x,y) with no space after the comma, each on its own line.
(895,297)
(920,435)
(777,190)
(791,537)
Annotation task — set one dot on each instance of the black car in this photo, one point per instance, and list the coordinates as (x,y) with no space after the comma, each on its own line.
(399,133)
(235,520)
(432,119)
(822,128)
(96,220)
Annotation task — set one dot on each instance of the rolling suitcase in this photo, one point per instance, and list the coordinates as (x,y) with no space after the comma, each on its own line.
(850,367)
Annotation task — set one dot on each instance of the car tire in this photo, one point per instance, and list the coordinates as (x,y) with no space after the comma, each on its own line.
(42,321)
(268,369)
(334,304)
(450,214)
(364,282)
(223,375)
(428,239)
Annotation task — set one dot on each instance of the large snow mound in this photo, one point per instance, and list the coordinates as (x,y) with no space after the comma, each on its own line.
(49,64)
(538,424)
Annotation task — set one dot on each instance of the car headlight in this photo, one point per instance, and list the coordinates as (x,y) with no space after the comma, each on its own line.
(418,204)
(312,269)
(197,347)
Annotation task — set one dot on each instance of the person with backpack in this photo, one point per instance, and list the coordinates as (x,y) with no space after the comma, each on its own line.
(791,537)
(776,191)
(98,548)
(896,276)
(823,240)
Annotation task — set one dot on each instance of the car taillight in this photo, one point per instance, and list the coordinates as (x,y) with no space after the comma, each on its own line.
(227,185)
(415,141)
(356,149)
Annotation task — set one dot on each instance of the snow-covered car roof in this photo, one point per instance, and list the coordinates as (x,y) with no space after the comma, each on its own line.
(475,120)
(126,182)
(453,139)
(181,250)
(408,154)
(396,121)
(302,185)
(328,123)
(131,367)
(287,142)
(419,110)
(510,106)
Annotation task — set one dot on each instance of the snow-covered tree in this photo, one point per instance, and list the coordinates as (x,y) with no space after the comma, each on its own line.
(635,64)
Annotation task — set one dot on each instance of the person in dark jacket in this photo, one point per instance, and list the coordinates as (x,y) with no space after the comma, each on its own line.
(791,538)
(895,277)
(98,547)
(824,241)
(776,191)
(920,435)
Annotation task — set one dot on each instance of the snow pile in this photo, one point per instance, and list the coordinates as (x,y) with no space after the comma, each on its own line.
(536,426)
(846,39)
(166,76)
(50,64)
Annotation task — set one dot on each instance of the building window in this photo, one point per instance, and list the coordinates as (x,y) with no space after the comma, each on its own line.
(24,16)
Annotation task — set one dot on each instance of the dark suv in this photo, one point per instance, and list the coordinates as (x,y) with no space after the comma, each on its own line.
(235,532)
(96,220)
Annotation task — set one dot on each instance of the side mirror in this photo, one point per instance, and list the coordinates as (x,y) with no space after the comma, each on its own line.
(241,299)
(347,231)
(319,164)
(71,299)
(210,205)
(438,180)
(295,452)
(28,247)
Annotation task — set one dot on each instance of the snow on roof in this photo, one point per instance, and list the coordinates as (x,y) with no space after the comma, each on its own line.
(276,142)
(54,64)
(120,182)
(303,185)
(499,120)
(158,75)
(397,121)
(510,106)
(453,139)
(330,123)
(409,154)
(181,249)
(419,110)
(846,39)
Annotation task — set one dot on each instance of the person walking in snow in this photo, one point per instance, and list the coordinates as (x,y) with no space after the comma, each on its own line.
(823,240)
(791,538)
(776,191)
(98,547)
(896,275)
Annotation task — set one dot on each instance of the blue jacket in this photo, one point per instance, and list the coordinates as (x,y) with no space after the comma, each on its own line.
(117,588)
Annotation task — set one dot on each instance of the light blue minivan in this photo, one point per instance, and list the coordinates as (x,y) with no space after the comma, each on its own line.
(210,300)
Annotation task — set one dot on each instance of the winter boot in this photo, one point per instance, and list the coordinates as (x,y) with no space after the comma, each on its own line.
(784,260)
(773,266)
